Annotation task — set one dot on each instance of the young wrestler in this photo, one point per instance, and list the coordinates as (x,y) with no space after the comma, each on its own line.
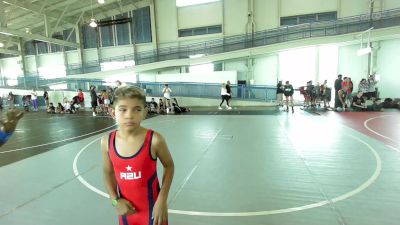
(130,158)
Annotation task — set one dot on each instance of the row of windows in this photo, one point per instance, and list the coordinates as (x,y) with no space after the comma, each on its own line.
(121,33)
(308,18)
(108,35)
(200,31)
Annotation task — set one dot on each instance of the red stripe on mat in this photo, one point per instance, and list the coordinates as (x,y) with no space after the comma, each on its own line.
(383,126)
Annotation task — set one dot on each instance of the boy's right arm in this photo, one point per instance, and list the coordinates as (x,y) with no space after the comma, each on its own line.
(123,206)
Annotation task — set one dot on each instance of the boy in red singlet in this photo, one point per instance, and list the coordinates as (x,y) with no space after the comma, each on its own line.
(130,163)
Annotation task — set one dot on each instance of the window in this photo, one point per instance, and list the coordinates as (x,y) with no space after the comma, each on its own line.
(185,32)
(106,33)
(141,18)
(123,30)
(89,37)
(42,47)
(329,16)
(214,29)
(71,38)
(308,18)
(182,3)
(54,47)
(288,21)
(200,31)
(30,48)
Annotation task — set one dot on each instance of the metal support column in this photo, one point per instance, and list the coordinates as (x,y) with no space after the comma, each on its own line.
(23,61)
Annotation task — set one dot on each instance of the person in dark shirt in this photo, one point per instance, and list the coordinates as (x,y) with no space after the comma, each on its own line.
(279,93)
(229,92)
(51,109)
(153,106)
(288,92)
(338,86)
(46,97)
(359,102)
(93,97)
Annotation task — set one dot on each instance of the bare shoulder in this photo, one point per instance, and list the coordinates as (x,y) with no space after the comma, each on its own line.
(104,143)
(158,139)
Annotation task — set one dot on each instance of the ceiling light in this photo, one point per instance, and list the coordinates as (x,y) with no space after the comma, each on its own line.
(101,1)
(93,23)
(1,45)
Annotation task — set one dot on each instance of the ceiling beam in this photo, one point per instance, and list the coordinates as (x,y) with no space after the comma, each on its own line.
(3,17)
(10,52)
(34,9)
(128,6)
(11,32)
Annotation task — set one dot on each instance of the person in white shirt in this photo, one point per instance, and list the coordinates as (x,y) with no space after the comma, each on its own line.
(34,99)
(224,96)
(167,96)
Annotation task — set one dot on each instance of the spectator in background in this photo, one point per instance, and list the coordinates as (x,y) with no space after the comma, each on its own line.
(224,97)
(81,98)
(60,108)
(347,87)
(46,97)
(93,98)
(106,101)
(161,108)
(11,100)
(363,87)
(229,93)
(51,109)
(338,86)
(371,86)
(359,102)
(326,94)
(110,92)
(153,106)
(167,96)
(288,92)
(34,100)
(279,93)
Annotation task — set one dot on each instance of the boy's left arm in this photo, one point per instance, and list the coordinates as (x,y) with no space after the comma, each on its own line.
(160,210)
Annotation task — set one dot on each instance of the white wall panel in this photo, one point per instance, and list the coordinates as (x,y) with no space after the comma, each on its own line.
(200,15)
(266,70)
(297,7)
(353,7)
(266,14)
(167,25)
(239,66)
(235,17)
(351,65)
(110,52)
(389,69)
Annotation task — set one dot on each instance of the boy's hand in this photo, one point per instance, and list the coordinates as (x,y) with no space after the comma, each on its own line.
(124,207)
(160,212)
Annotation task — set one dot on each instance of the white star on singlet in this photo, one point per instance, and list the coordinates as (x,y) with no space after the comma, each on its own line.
(129,168)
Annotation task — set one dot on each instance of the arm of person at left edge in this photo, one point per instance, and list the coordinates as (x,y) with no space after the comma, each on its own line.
(160,148)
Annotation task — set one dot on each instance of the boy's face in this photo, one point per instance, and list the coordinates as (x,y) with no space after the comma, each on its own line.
(129,113)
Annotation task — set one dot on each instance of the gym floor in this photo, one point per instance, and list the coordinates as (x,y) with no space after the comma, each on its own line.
(256,166)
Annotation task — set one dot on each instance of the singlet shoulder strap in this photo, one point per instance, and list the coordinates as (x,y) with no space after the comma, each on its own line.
(149,139)
(111,138)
